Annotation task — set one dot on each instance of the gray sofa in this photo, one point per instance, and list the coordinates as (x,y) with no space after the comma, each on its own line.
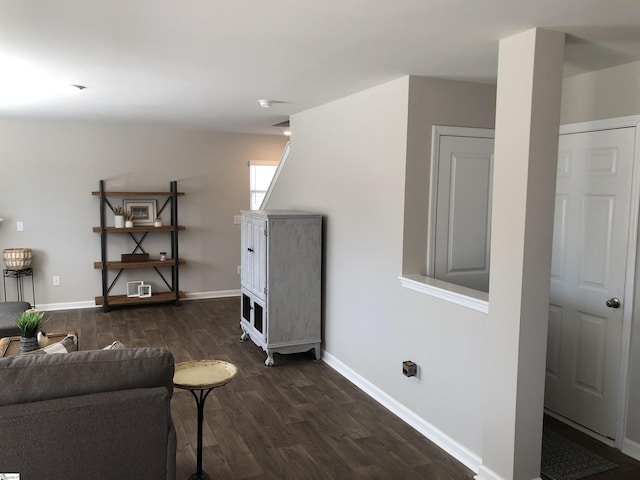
(88,414)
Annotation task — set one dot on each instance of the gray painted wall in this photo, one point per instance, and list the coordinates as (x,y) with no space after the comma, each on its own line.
(434,102)
(363,162)
(348,161)
(49,169)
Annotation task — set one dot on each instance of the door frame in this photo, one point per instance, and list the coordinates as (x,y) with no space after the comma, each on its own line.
(632,242)
(437,132)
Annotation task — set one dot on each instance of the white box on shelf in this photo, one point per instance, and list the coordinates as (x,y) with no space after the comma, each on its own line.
(144,290)
(133,288)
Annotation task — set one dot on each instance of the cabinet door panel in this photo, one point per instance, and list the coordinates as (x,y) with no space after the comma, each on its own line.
(246,260)
(259,282)
(246,307)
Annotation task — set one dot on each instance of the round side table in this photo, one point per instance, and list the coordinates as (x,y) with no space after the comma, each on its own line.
(200,377)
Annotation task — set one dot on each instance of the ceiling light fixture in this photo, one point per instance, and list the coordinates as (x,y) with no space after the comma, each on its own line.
(265,103)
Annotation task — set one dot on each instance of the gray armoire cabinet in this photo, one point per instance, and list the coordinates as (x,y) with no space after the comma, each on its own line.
(281,275)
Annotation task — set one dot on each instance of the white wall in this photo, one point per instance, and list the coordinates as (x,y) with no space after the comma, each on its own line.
(49,169)
(347,162)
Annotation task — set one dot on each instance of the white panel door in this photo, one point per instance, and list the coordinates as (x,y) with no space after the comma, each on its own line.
(463,211)
(591,230)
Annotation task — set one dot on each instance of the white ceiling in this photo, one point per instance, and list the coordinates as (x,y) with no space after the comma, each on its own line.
(205,63)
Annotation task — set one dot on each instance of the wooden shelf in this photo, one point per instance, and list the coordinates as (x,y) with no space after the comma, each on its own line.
(146,264)
(162,297)
(146,228)
(138,194)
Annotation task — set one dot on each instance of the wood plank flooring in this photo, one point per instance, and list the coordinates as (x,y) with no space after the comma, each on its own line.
(298,420)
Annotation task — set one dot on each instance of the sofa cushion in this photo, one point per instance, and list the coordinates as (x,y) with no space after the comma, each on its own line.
(66,345)
(114,346)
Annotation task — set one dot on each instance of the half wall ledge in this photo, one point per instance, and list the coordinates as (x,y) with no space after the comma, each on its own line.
(466,297)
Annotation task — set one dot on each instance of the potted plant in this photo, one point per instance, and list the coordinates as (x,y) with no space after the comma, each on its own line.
(118,212)
(29,323)
(128,217)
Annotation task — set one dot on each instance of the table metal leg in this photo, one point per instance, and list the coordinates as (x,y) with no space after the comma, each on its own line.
(200,475)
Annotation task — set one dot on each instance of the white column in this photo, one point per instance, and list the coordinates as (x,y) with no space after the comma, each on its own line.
(526,144)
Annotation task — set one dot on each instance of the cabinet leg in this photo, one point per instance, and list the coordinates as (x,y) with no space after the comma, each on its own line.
(245,336)
(269,361)
(316,352)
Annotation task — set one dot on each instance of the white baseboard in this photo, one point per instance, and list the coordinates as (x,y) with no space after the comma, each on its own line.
(485,473)
(48,307)
(631,448)
(216,294)
(453,448)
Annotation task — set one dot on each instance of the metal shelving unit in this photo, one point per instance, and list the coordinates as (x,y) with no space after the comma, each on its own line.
(138,234)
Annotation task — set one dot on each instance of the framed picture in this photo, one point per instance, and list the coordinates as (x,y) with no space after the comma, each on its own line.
(144,211)
(144,290)
(133,288)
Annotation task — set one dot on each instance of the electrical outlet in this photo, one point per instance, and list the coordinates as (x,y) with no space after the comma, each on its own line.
(56,280)
(21,226)
(409,369)
(236,219)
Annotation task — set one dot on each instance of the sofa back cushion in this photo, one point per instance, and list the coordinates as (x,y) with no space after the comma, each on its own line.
(32,378)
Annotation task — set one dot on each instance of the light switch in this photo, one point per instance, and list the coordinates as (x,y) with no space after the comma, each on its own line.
(21,226)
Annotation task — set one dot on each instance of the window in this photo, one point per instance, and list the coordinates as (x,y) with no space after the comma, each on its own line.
(260,176)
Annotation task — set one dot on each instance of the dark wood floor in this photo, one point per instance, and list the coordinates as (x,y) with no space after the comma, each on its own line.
(298,420)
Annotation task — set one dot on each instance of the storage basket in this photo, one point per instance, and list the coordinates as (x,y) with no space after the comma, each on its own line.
(17,258)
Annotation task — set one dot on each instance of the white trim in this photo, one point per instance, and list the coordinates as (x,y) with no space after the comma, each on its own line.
(466,297)
(595,125)
(215,294)
(576,426)
(264,163)
(485,473)
(274,180)
(49,307)
(634,210)
(437,132)
(446,443)
(631,448)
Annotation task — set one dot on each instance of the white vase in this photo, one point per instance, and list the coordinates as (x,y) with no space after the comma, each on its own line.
(128,223)
(119,219)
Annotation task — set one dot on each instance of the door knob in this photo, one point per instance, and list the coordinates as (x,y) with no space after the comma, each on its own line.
(613,303)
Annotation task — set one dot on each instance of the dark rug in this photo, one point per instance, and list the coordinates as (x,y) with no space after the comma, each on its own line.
(563,459)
